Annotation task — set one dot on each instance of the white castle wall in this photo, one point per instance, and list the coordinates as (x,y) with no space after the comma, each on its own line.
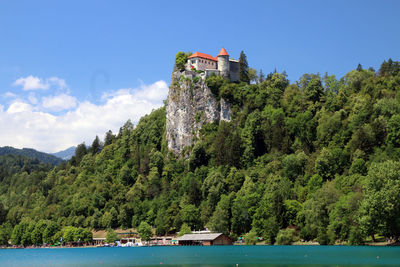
(202,63)
(209,72)
(223,65)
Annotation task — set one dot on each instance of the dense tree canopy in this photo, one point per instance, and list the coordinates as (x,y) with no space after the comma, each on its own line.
(320,156)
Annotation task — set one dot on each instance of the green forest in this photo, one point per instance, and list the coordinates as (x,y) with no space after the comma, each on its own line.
(32,154)
(316,159)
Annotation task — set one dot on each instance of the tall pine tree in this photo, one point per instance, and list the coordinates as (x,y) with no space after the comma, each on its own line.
(96,146)
(243,68)
(261,76)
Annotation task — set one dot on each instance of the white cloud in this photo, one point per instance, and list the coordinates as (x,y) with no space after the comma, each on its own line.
(9,95)
(36,83)
(28,125)
(59,102)
(19,107)
(31,83)
(152,92)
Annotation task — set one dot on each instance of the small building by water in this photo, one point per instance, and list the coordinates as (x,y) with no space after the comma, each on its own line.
(204,239)
(162,241)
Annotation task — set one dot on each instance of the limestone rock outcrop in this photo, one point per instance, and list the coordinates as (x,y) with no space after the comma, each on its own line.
(190,105)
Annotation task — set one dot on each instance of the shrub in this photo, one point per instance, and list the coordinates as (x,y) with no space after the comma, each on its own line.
(250,238)
(286,237)
(145,231)
(356,236)
(322,237)
(68,234)
(227,92)
(308,232)
(111,236)
(185,229)
(180,60)
(198,117)
(214,82)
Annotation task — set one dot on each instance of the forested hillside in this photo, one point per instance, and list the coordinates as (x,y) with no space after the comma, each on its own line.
(32,154)
(320,156)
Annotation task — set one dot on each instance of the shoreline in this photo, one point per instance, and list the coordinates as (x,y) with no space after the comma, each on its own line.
(376,244)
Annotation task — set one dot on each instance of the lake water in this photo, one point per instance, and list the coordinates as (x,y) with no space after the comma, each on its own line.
(205,256)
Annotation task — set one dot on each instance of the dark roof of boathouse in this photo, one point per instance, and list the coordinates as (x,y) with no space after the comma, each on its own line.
(199,237)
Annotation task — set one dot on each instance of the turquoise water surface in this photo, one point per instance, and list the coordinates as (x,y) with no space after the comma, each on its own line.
(205,256)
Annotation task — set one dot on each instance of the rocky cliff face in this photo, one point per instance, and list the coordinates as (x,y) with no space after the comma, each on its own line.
(190,105)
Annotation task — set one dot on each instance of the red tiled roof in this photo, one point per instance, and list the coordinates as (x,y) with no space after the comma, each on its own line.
(202,55)
(223,52)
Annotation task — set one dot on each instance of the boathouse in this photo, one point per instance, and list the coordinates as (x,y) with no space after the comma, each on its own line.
(206,239)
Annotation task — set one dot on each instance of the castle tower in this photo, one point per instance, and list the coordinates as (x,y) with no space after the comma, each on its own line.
(223,63)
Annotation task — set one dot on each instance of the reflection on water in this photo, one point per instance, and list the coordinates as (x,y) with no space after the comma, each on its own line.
(205,256)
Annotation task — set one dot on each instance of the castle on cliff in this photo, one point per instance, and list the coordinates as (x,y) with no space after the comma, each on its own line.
(219,65)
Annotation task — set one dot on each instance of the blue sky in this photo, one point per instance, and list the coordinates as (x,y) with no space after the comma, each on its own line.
(64,64)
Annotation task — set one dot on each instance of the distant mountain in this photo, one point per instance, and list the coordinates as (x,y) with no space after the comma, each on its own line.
(65,154)
(31,153)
